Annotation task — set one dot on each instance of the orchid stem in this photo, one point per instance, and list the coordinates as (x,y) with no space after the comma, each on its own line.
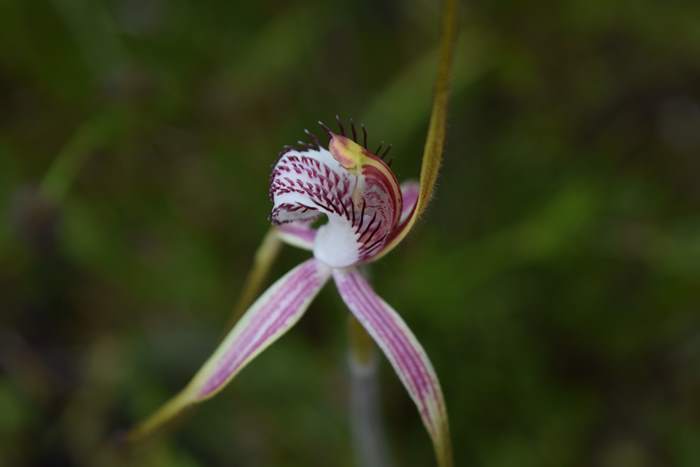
(369,438)
(362,348)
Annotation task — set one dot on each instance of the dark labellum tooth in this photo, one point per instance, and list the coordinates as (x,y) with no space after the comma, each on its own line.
(378,151)
(313,137)
(340,125)
(354,132)
(386,151)
(364,135)
(325,127)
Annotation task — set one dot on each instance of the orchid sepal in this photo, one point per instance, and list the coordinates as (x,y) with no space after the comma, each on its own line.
(271,316)
(437,127)
(405,354)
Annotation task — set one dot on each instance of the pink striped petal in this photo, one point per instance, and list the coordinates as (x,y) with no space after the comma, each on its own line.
(404,353)
(298,233)
(273,314)
(409,193)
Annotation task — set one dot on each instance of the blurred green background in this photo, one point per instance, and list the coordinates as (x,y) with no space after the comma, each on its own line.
(555,281)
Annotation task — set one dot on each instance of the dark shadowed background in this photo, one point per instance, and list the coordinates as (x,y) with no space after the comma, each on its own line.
(555,280)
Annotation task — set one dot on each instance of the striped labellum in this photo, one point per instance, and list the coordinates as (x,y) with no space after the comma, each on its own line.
(353,187)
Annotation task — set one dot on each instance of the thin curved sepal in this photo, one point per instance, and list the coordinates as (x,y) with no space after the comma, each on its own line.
(272,315)
(405,354)
(435,140)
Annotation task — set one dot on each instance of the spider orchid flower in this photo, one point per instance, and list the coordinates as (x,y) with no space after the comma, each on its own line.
(367,213)
(366,209)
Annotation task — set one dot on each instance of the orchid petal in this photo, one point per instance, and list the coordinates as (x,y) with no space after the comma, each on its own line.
(273,314)
(404,353)
(435,140)
(362,204)
(409,194)
(298,234)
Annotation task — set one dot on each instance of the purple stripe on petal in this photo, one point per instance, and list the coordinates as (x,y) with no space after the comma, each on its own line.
(276,326)
(405,356)
(298,234)
(409,192)
(359,296)
(271,310)
(402,350)
(274,313)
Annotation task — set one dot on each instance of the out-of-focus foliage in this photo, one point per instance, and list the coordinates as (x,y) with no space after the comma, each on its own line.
(555,279)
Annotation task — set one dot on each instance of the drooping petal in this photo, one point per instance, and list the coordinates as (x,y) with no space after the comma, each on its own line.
(273,314)
(362,205)
(404,353)
(299,234)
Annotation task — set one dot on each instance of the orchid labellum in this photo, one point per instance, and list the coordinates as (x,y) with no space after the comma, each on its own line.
(367,213)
